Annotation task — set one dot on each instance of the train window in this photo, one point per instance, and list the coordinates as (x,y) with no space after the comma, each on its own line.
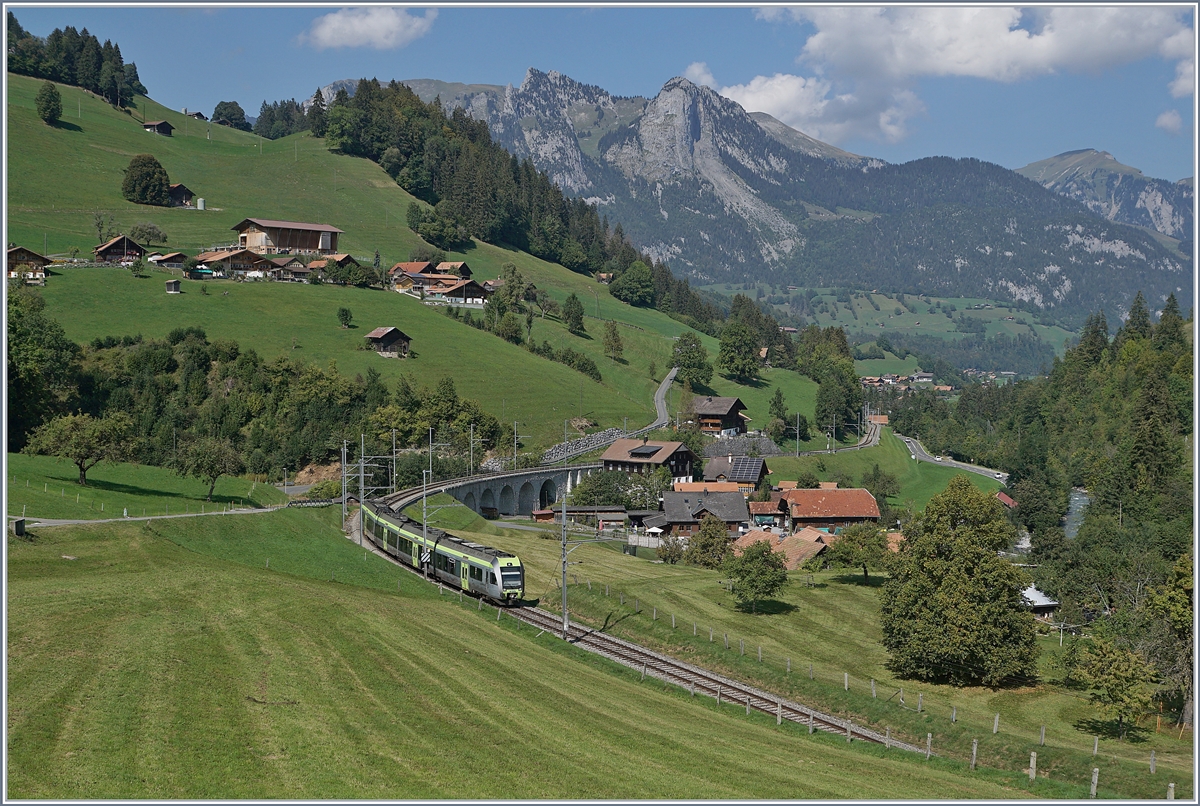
(511,576)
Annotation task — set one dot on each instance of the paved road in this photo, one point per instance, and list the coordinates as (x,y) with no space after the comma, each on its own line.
(31,522)
(918,452)
(660,401)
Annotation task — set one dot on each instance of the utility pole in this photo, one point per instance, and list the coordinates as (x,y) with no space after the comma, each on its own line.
(362,482)
(797,435)
(393,460)
(343,483)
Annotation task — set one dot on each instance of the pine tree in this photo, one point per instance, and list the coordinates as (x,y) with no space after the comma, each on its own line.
(573,314)
(1138,323)
(49,103)
(316,114)
(613,347)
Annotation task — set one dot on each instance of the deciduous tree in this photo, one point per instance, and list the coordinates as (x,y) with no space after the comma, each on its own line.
(863,545)
(573,314)
(344,316)
(738,355)
(84,440)
(670,550)
(757,573)
(613,346)
(146,181)
(49,103)
(208,458)
(147,232)
(953,608)
(1120,681)
(691,359)
(709,547)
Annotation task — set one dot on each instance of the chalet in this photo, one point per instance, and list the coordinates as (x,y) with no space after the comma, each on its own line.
(180,195)
(171,260)
(643,456)
(232,262)
(830,509)
(390,342)
(28,265)
(458,269)
(158,127)
(922,377)
(463,292)
(342,261)
(1038,602)
(683,512)
(172,286)
(721,415)
(705,487)
(747,472)
(604,277)
(796,549)
(195,115)
(267,236)
(418,267)
(768,513)
(285,268)
(119,248)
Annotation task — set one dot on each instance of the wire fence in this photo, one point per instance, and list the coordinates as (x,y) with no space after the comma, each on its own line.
(912,711)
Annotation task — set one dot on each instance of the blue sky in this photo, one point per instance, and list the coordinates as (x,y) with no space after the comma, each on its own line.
(1004,84)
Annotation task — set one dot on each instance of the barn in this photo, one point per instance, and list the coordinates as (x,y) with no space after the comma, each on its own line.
(267,236)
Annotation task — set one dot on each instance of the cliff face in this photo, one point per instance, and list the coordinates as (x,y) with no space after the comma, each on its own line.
(725,196)
(1117,192)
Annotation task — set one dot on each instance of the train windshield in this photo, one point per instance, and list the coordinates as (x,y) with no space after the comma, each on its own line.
(511,577)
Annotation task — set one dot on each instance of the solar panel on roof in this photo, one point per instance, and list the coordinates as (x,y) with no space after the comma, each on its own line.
(744,467)
(645,450)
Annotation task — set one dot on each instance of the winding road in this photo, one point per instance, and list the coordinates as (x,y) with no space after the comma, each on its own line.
(918,452)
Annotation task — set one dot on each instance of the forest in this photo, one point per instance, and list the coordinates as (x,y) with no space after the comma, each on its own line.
(1113,417)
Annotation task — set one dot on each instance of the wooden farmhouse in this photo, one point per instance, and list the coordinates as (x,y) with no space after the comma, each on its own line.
(267,237)
(233,262)
(682,512)
(745,471)
(459,269)
(830,509)
(171,260)
(28,265)
(180,195)
(158,127)
(721,416)
(416,267)
(644,456)
(462,292)
(119,248)
(389,342)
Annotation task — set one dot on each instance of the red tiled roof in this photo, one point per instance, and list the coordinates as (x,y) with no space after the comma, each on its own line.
(411,268)
(706,487)
(764,507)
(852,503)
(794,548)
(1006,500)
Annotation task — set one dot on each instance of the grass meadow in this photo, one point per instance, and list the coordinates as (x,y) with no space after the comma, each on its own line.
(47,487)
(165,660)
(830,620)
(60,176)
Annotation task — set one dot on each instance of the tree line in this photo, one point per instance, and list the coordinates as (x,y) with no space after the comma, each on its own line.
(156,397)
(68,56)
(1113,417)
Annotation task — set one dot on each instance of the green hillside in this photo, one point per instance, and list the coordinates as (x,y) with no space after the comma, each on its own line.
(164,660)
(58,177)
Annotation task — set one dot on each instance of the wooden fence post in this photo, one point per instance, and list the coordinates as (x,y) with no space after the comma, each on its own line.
(760,654)
(811,723)
(654,616)
(1095,779)
(887,739)
(718,694)
(1095,745)
(747,705)
(953,714)
(1170,791)
(789,665)
(920,700)
(928,745)
(847,733)
(727,640)
(996,724)
(1032,766)
(873,688)
(1152,770)
(810,675)
(974,751)
(779,712)
(742,649)
(846,680)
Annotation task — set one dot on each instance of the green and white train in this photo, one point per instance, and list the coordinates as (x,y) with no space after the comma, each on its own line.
(459,563)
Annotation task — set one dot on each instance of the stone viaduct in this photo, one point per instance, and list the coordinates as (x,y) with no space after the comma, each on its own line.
(517,492)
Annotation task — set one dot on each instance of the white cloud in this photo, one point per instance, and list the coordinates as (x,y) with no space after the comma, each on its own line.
(379,27)
(698,73)
(867,60)
(1170,122)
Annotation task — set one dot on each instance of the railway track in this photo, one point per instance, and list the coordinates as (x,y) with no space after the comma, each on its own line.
(698,681)
(701,682)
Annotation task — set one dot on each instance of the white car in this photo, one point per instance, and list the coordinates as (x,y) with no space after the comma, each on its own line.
(937,458)
(999,475)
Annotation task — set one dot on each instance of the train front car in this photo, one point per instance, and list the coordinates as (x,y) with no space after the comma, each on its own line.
(512,578)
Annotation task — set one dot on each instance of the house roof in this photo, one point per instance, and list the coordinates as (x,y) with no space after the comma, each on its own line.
(744,469)
(787,485)
(181,186)
(718,406)
(380,332)
(12,249)
(617,509)
(283,261)
(115,240)
(1006,500)
(418,267)
(851,503)
(765,507)
(170,255)
(456,266)
(623,450)
(271,223)
(689,507)
(446,289)
(1035,598)
(706,486)
(204,257)
(794,548)
(156,123)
